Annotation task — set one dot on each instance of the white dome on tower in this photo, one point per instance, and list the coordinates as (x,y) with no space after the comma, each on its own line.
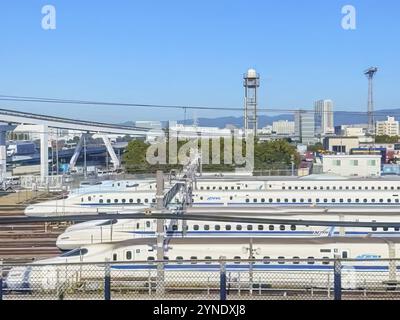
(251,73)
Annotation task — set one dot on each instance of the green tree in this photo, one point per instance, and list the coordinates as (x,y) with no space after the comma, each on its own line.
(387,139)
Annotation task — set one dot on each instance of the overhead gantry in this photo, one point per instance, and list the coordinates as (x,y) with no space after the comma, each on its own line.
(42,123)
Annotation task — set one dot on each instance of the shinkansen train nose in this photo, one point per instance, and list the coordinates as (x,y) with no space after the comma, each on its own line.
(18,279)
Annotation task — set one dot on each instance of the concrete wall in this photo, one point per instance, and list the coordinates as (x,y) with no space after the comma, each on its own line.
(348,166)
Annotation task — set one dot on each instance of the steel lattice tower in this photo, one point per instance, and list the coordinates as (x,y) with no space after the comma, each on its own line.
(370,75)
(251,84)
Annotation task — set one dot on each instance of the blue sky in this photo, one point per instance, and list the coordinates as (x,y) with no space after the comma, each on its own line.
(195,52)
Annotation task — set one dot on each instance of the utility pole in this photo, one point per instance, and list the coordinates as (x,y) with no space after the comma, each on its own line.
(370,73)
(84,157)
(160,234)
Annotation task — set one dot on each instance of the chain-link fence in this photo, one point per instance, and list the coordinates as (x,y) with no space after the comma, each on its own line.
(205,280)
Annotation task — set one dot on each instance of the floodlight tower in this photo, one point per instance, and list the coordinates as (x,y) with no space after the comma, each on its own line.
(251,84)
(370,73)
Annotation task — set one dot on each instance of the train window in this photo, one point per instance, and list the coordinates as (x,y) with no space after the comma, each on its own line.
(354,188)
(359,188)
(366,188)
(237,259)
(397,229)
(206,227)
(208,188)
(349,200)
(232,188)
(153,200)
(308,188)
(302,188)
(293,228)
(290,188)
(365,200)
(347,188)
(214,188)
(130,200)
(317,200)
(325,250)
(137,225)
(296,188)
(260,227)
(201,198)
(326,200)
(302,200)
(286,200)
(278,200)
(373,200)
(283,188)
(270,200)
(281,260)
(217,227)
(208,258)
(175,227)
(334,188)
(340,188)
(193,260)
(386,188)
(386,229)
(345,254)
(247,200)
(128,255)
(325,260)
(238,188)
(196,227)
(328,188)
(81,199)
(166,258)
(249,227)
(138,201)
(179,260)
(148,224)
(271,228)
(379,188)
(226,188)
(389,200)
(315,188)
(282,228)
(294,200)
(150,259)
(311,260)
(228,227)
(108,200)
(374,229)
(101,201)
(333,200)
(89,198)
(230,198)
(321,188)
(397,200)
(341,200)
(263,200)
(296,260)
(239,227)
(220,188)
(357,200)
(123,200)
(309,200)
(381,200)
(201,188)
(266,260)
(146,200)
(372,188)
(115,257)
(254,200)
(115,200)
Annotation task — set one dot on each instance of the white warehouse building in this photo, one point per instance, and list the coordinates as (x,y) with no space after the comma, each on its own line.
(352,165)
(283,127)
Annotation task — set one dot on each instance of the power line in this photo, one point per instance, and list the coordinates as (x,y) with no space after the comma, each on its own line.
(181,107)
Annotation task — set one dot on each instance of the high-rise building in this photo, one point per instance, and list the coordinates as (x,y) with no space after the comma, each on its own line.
(324,123)
(305,126)
(283,127)
(390,127)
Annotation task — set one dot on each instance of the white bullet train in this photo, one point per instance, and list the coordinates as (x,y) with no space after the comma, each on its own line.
(123,201)
(108,231)
(132,263)
(120,196)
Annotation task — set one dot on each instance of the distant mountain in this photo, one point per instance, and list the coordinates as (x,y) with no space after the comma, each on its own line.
(341,118)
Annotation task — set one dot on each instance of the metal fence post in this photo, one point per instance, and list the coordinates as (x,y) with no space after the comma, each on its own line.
(107,281)
(1,279)
(338,279)
(223,280)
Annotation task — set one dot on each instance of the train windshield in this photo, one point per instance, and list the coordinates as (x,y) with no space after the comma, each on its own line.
(108,222)
(75,253)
